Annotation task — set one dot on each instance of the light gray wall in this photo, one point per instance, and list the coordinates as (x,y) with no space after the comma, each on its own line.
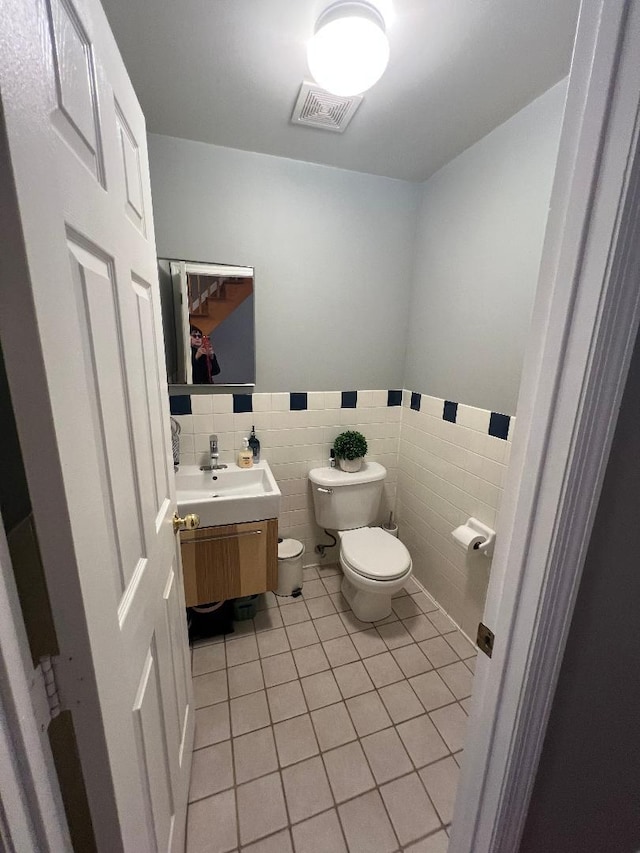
(586,797)
(478,247)
(367,282)
(332,252)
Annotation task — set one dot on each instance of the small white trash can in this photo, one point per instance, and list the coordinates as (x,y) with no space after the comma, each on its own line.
(290,553)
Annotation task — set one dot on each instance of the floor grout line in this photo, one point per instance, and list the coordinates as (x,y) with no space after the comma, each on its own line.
(377,787)
(449,754)
(308,713)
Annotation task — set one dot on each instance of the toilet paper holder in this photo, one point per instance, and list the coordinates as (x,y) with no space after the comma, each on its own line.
(478,529)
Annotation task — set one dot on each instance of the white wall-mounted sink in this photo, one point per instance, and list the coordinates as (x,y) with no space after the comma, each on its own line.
(230,495)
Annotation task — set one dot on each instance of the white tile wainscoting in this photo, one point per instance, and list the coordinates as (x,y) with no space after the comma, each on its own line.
(439,472)
(294,442)
(448,472)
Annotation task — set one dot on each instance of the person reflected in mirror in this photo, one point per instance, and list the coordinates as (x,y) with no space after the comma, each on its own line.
(204,364)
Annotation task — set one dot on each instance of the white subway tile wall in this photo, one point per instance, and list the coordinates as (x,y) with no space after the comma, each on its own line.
(448,472)
(294,442)
(439,474)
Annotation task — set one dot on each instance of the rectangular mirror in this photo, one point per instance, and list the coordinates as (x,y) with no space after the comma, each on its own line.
(208,318)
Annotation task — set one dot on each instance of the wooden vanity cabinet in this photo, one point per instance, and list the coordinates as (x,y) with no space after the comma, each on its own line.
(229,561)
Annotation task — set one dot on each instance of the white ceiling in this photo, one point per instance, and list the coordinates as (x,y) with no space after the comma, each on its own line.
(228,72)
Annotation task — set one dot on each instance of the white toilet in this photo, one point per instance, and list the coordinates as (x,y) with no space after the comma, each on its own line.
(375,565)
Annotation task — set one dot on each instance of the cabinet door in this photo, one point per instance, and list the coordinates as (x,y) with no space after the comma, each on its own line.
(229,561)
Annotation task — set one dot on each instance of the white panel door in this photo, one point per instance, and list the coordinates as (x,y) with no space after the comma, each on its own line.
(81,330)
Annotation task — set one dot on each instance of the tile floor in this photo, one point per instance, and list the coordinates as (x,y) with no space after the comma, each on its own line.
(318,733)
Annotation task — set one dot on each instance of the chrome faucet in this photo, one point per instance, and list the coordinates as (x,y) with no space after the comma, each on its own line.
(213,452)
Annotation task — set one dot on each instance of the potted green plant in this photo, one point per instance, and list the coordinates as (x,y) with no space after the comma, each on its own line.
(350,448)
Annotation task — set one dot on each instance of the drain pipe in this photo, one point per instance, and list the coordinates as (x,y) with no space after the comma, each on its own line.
(322,547)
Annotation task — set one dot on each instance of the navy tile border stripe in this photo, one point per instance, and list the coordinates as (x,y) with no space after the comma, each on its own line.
(297,401)
(242,403)
(180,404)
(449,411)
(499,425)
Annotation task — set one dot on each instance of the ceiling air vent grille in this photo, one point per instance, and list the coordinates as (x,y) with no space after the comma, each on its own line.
(317,108)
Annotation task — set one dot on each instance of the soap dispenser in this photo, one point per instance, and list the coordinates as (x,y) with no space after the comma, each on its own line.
(245,456)
(254,445)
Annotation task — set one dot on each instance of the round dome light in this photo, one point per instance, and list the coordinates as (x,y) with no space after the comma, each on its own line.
(349,50)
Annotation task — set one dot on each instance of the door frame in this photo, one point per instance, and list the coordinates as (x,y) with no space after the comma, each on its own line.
(585,322)
(32,817)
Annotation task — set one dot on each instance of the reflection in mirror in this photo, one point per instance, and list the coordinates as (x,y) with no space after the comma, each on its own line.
(209,322)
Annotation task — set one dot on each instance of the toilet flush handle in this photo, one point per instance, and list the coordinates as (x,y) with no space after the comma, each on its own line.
(325,491)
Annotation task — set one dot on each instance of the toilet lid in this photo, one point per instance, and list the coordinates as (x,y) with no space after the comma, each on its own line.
(374,554)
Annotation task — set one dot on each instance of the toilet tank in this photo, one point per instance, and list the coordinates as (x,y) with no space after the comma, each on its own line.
(345,501)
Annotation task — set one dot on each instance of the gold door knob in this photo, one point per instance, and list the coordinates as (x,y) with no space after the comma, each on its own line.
(189,521)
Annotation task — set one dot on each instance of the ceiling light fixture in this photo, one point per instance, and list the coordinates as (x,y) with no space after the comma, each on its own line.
(349,50)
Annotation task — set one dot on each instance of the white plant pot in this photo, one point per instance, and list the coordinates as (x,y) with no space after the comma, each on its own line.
(350,465)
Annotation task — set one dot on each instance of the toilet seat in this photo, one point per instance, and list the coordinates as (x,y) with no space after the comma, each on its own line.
(374,554)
